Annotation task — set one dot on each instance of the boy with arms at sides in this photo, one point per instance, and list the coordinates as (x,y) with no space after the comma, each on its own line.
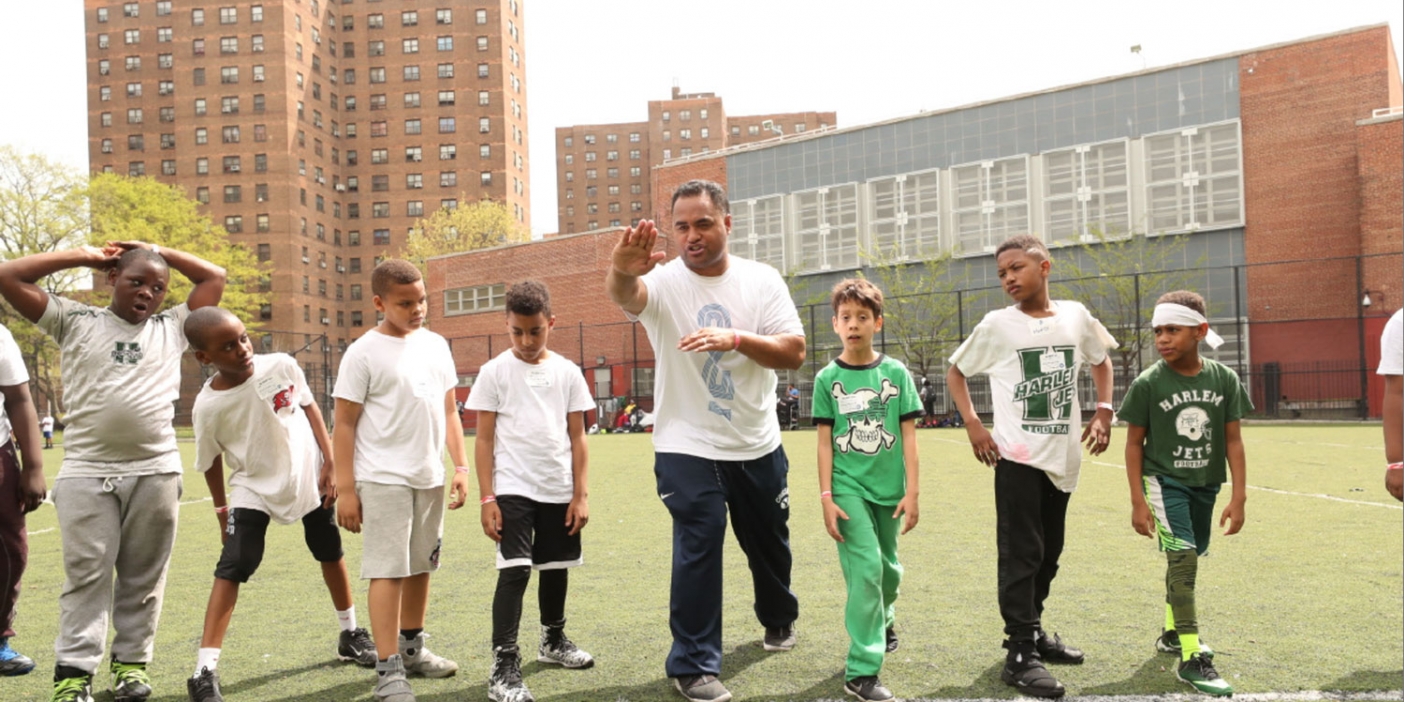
(1182,415)
(1032,352)
(394,412)
(532,461)
(46,425)
(22,489)
(257,415)
(118,492)
(868,477)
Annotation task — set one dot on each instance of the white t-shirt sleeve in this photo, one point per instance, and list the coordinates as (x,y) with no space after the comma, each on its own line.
(299,379)
(206,446)
(1392,346)
(449,369)
(1096,340)
(580,400)
(12,370)
(980,351)
(656,284)
(779,314)
(353,380)
(486,395)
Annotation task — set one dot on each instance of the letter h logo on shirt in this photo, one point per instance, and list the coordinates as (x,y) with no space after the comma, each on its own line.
(128,352)
(1049,383)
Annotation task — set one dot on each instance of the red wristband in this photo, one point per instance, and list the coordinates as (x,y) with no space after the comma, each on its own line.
(736,336)
(825,493)
(488,498)
(1395,466)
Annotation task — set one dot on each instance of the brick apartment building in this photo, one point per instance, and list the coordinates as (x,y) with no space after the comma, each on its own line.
(1280,165)
(603,170)
(316,133)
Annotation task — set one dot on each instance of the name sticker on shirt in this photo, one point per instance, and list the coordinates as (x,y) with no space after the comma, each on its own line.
(424,388)
(538,378)
(852,404)
(1041,325)
(1051,362)
(268,386)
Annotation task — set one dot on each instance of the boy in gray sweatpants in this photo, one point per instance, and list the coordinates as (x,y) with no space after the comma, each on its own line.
(118,492)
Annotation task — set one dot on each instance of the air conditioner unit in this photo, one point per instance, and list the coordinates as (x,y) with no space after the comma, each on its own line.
(326,320)
(321,180)
(306,260)
(417,158)
(233,168)
(340,188)
(341,269)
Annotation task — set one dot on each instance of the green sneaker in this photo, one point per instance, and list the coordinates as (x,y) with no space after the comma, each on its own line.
(73,689)
(130,683)
(1169,642)
(1199,672)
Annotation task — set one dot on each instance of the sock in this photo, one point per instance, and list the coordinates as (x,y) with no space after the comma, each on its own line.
(410,634)
(347,618)
(1189,645)
(1169,617)
(207,658)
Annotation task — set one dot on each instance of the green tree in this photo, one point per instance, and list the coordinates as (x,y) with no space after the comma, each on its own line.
(921,309)
(1119,279)
(42,208)
(144,209)
(480,224)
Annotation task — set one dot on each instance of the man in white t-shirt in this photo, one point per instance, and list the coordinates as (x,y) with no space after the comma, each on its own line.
(22,490)
(118,492)
(255,419)
(532,472)
(720,326)
(1033,352)
(46,426)
(1392,368)
(395,413)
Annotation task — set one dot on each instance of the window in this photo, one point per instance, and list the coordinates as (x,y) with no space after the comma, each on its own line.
(611,155)
(634,137)
(197,17)
(444,43)
(484,125)
(753,130)
(444,16)
(414,208)
(411,73)
(448,179)
(905,216)
(667,135)
(990,203)
(685,115)
(409,18)
(482,70)
(230,135)
(375,21)
(167,114)
(377,75)
(827,228)
(229,105)
(256,13)
(479,17)
(589,156)
(164,60)
(1086,192)
(412,126)
(612,190)
(132,36)
(134,116)
(482,43)
(480,298)
(233,193)
(261,224)
(684,133)
(590,174)
(448,152)
(411,99)
(485,177)
(198,76)
(229,45)
(1193,179)
(380,209)
(256,46)
(414,181)
(375,48)
(105,66)
(197,47)
(107,146)
(228,15)
(229,74)
(164,35)
(165,87)
(448,125)
(261,163)
(609,173)
(380,155)
(136,142)
(704,133)
(231,164)
(635,171)
(381,237)
(446,97)
(234,224)
(102,40)
(410,46)
(105,93)
(667,115)
(413,154)
(202,193)
(265,251)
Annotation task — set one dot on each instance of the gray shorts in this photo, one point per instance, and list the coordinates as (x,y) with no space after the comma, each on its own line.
(401,530)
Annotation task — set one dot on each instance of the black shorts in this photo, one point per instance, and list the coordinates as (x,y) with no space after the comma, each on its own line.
(243,550)
(534,534)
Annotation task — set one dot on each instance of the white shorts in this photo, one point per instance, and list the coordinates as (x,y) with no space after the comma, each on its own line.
(401,530)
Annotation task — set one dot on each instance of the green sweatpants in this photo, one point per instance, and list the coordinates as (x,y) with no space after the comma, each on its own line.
(868,556)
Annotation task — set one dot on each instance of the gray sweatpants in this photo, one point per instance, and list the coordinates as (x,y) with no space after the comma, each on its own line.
(126,525)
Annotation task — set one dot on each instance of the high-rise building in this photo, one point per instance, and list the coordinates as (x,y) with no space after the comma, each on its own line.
(316,133)
(602,170)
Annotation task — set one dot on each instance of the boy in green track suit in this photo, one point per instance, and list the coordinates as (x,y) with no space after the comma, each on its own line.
(1183,415)
(866,406)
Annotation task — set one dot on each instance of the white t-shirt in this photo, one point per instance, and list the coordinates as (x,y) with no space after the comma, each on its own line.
(400,382)
(1033,365)
(271,457)
(1392,346)
(715,405)
(531,449)
(46,424)
(121,381)
(12,372)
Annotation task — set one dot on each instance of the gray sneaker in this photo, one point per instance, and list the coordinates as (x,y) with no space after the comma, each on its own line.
(505,678)
(702,688)
(556,648)
(779,638)
(419,660)
(390,684)
(868,688)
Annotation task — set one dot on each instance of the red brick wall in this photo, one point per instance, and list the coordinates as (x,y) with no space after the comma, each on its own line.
(667,178)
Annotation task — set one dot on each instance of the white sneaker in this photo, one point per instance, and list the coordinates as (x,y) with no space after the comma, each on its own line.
(419,660)
(556,648)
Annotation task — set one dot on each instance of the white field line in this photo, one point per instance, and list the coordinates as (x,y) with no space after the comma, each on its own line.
(1332,498)
(1306,696)
(49,501)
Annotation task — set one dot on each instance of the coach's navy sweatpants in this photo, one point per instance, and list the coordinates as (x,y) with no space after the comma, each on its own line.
(698,492)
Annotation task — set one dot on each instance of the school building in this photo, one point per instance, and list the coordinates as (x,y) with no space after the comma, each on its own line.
(1267,179)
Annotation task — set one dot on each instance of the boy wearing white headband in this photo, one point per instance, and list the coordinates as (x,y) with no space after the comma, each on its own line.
(1182,416)
(1033,352)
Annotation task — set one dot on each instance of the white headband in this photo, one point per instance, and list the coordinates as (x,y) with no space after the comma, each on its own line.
(1181,316)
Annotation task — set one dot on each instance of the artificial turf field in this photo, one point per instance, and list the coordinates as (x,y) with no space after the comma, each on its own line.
(1306,599)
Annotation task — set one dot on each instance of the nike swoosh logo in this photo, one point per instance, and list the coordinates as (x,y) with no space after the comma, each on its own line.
(665,495)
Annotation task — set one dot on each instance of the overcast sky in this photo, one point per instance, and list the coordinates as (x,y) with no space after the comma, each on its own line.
(597,61)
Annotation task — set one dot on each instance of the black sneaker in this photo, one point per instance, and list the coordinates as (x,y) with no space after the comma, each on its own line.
(702,688)
(780,638)
(868,688)
(505,678)
(1199,672)
(356,645)
(1024,671)
(204,687)
(1053,650)
(891,639)
(130,682)
(557,648)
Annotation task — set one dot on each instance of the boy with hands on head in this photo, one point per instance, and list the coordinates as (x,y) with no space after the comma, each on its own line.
(395,412)
(868,477)
(532,465)
(1183,425)
(256,415)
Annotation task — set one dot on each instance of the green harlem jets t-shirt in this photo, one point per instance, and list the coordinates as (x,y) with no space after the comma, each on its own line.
(1184,419)
(866,406)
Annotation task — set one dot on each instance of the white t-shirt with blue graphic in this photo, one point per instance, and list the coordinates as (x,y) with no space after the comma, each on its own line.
(715,405)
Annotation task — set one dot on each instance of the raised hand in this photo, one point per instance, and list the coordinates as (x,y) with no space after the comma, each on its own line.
(634,254)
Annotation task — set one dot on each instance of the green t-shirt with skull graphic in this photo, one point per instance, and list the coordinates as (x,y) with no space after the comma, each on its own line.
(866,406)
(1184,418)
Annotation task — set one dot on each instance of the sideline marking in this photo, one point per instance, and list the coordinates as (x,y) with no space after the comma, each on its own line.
(49,501)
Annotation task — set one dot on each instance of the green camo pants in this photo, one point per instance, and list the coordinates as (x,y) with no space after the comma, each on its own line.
(868,556)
